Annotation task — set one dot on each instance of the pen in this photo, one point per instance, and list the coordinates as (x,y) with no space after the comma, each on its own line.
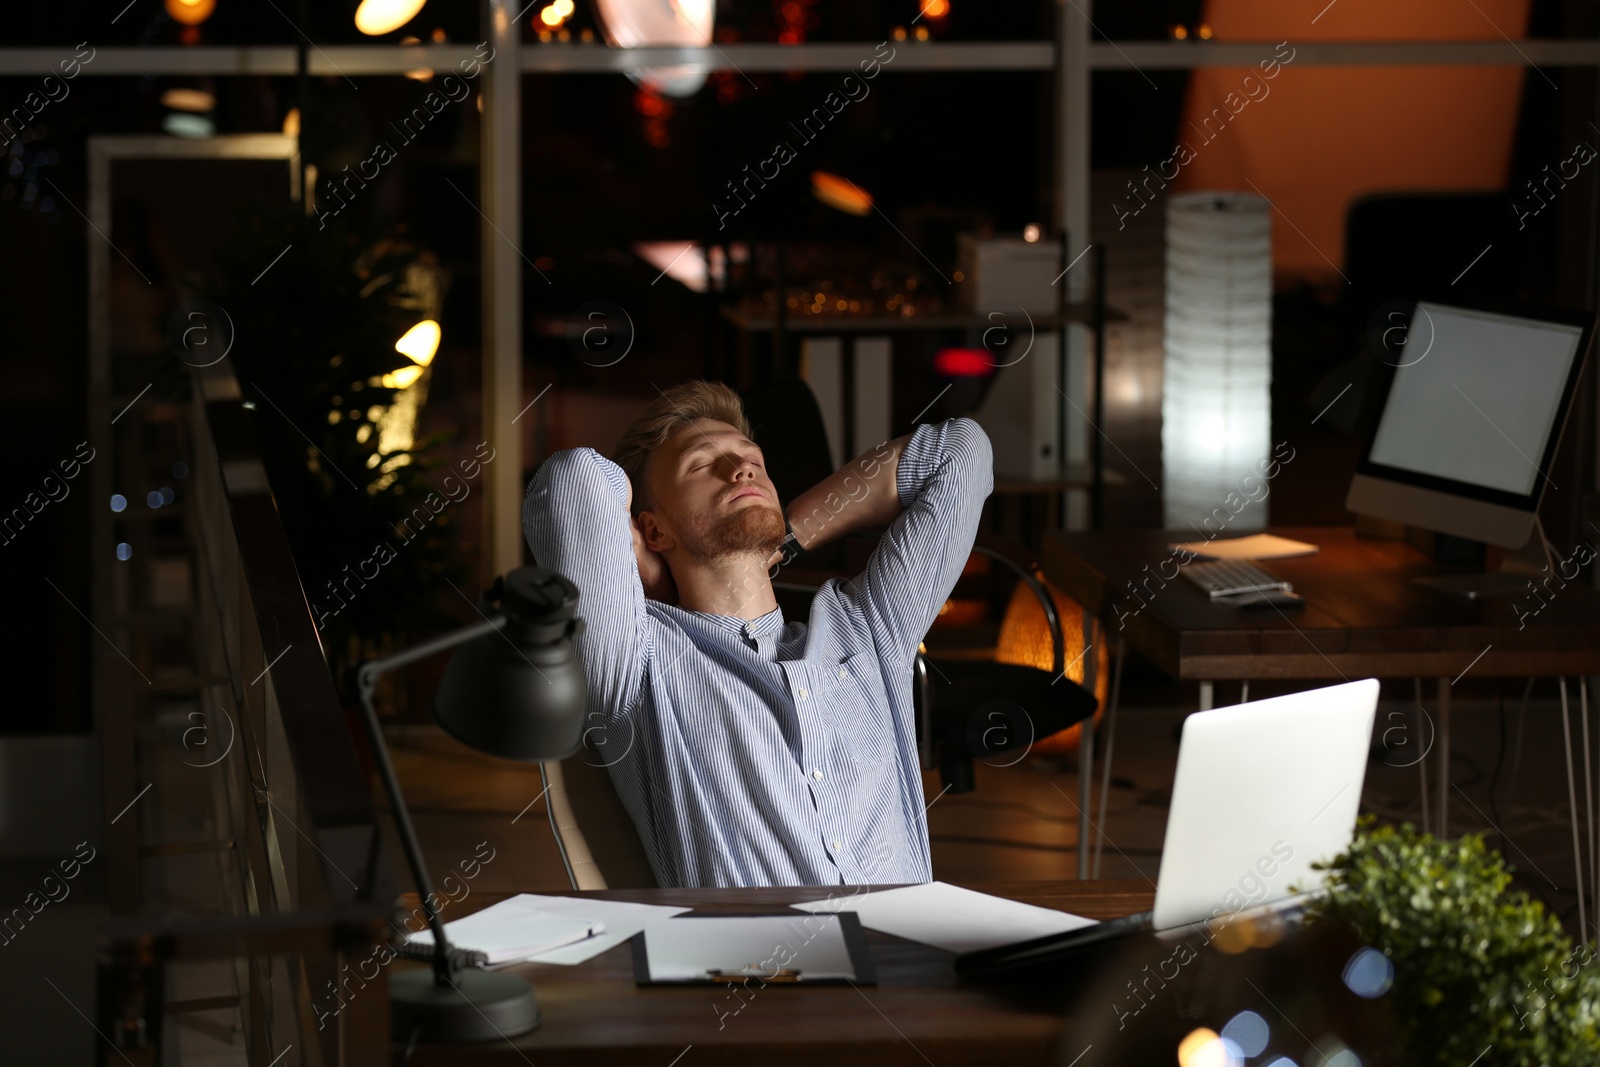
(783,974)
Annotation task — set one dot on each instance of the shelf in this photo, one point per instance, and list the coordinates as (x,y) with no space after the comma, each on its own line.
(1075,315)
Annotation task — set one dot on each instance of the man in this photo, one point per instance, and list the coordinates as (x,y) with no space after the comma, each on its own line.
(750,750)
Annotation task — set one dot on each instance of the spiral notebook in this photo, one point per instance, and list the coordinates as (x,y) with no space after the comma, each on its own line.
(513,930)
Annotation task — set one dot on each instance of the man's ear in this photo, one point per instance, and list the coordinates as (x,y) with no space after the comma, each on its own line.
(655,538)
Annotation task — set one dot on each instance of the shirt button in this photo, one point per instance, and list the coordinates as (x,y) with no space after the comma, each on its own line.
(843,673)
(837,846)
(802,692)
(817,775)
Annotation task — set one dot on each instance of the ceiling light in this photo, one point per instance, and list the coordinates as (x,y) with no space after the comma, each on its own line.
(636,23)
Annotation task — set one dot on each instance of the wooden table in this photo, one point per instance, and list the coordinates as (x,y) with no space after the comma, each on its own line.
(1364,616)
(918,1012)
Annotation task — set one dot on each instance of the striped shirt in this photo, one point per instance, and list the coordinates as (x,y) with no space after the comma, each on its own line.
(766,752)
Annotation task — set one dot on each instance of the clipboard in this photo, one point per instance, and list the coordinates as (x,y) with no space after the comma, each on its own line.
(763,948)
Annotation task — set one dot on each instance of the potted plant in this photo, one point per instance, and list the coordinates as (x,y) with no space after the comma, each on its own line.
(1482,975)
(315,354)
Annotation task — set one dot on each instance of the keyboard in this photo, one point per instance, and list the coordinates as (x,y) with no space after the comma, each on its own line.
(1228,577)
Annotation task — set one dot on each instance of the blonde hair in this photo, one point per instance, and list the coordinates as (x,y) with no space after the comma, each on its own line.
(666,415)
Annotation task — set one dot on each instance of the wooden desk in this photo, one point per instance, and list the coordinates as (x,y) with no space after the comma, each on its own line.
(918,1012)
(1364,617)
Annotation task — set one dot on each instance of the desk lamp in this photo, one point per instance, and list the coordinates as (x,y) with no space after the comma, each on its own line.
(512,689)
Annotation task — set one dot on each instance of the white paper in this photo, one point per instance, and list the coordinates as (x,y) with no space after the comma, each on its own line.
(949,917)
(515,929)
(623,920)
(1256,546)
(754,944)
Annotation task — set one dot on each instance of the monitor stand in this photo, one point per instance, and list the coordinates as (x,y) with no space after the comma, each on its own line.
(1530,563)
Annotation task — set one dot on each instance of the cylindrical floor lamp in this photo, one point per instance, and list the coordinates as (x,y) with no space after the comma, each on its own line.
(1216,407)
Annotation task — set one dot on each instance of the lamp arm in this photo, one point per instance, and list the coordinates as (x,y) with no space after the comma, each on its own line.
(431,647)
(367,675)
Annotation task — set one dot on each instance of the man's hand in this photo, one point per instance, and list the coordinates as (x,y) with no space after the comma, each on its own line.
(860,495)
(653,572)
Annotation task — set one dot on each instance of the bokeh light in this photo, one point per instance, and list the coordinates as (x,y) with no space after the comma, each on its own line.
(183,124)
(841,194)
(1206,1048)
(384,16)
(402,378)
(190,12)
(197,100)
(420,342)
(1249,1032)
(1369,973)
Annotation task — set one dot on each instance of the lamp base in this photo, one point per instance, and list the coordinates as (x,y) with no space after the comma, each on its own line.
(479,1006)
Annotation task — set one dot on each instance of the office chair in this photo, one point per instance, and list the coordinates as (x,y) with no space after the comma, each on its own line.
(599,844)
(965,710)
(984,707)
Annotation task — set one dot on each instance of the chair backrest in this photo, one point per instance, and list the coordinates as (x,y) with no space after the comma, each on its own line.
(788,425)
(594,831)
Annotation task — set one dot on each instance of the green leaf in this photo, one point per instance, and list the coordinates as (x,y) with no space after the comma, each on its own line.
(1477,966)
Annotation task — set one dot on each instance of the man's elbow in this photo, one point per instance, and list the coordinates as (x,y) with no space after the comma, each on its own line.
(563,464)
(563,480)
(972,447)
(574,472)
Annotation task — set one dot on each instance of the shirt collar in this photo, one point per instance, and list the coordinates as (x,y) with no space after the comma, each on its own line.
(767,624)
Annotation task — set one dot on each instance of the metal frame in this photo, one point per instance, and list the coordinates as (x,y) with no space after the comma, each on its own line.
(392,59)
(500,195)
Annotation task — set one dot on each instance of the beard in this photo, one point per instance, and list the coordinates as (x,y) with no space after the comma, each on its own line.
(757,530)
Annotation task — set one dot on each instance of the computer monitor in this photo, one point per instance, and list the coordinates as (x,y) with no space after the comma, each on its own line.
(1471,419)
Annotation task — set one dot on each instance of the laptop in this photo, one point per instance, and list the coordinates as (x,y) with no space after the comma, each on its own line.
(1263,791)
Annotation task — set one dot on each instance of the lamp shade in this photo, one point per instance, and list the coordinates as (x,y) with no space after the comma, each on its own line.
(1216,404)
(518,692)
(637,23)
(1025,639)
